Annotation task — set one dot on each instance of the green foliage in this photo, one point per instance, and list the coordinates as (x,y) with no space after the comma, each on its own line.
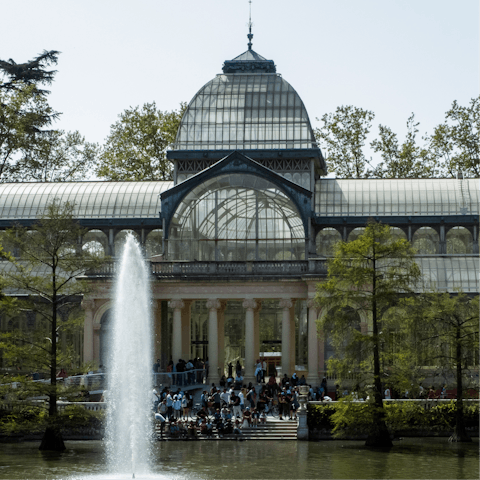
(76,416)
(30,419)
(137,144)
(346,418)
(452,147)
(446,329)
(446,334)
(24,115)
(57,156)
(319,417)
(356,418)
(32,72)
(454,144)
(48,272)
(365,278)
(23,418)
(408,160)
(343,135)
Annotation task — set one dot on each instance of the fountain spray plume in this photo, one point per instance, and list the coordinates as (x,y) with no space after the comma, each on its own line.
(129,395)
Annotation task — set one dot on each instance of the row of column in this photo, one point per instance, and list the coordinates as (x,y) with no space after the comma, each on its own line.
(252,308)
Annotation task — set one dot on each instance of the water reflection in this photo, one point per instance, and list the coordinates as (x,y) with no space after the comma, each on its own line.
(410,458)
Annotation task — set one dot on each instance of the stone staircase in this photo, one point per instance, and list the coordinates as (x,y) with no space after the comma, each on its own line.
(272,430)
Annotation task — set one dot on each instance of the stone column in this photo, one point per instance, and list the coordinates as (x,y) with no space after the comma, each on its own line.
(221,338)
(293,339)
(177,305)
(442,247)
(213,305)
(321,352)
(475,239)
(186,317)
(157,329)
(256,330)
(286,304)
(111,242)
(89,307)
(96,343)
(312,378)
(249,304)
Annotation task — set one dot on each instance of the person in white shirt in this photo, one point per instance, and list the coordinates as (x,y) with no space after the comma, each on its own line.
(177,407)
(225,397)
(241,396)
(156,399)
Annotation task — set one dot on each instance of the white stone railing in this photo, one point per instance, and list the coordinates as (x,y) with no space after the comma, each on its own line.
(315,266)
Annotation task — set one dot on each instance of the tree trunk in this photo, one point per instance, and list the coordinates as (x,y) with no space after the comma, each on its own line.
(52,439)
(379,437)
(459,432)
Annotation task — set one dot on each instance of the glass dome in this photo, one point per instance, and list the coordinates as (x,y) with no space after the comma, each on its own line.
(236,217)
(245,111)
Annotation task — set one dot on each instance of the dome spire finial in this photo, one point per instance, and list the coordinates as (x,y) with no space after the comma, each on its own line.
(250,34)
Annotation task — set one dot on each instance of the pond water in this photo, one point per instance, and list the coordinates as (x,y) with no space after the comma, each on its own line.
(410,458)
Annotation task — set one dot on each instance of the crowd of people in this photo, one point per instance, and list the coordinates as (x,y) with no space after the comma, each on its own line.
(185,372)
(226,408)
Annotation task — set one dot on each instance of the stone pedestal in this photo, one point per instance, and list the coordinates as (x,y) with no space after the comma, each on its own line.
(302,429)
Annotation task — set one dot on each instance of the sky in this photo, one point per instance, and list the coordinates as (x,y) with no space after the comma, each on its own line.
(393,57)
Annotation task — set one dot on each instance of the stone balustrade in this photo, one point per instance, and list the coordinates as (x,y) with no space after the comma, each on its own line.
(250,268)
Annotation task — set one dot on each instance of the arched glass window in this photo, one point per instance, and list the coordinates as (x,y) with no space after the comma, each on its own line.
(96,242)
(426,241)
(355,233)
(459,241)
(326,240)
(154,243)
(398,233)
(236,217)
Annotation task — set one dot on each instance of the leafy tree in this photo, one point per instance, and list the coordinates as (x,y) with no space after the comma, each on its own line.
(137,144)
(366,277)
(24,118)
(343,135)
(57,156)
(408,160)
(447,329)
(4,301)
(455,142)
(47,271)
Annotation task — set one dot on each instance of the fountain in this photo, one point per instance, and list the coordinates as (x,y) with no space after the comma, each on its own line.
(129,395)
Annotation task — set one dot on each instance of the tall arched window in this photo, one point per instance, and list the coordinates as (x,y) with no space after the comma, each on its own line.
(326,240)
(459,241)
(426,241)
(236,217)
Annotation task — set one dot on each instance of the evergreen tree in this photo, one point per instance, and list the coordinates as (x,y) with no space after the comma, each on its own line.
(47,274)
(366,276)
(446,335)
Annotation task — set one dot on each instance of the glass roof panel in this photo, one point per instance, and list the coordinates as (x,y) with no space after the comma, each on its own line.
(363,197)
(449,273)
(92,199)
(246,114)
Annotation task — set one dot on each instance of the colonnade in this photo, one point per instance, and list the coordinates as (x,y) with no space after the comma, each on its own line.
(180,346)
(252,307)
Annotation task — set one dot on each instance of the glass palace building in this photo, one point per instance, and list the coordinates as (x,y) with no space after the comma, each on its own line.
(238,241)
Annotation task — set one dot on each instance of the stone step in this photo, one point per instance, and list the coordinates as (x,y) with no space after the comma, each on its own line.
(271,430)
